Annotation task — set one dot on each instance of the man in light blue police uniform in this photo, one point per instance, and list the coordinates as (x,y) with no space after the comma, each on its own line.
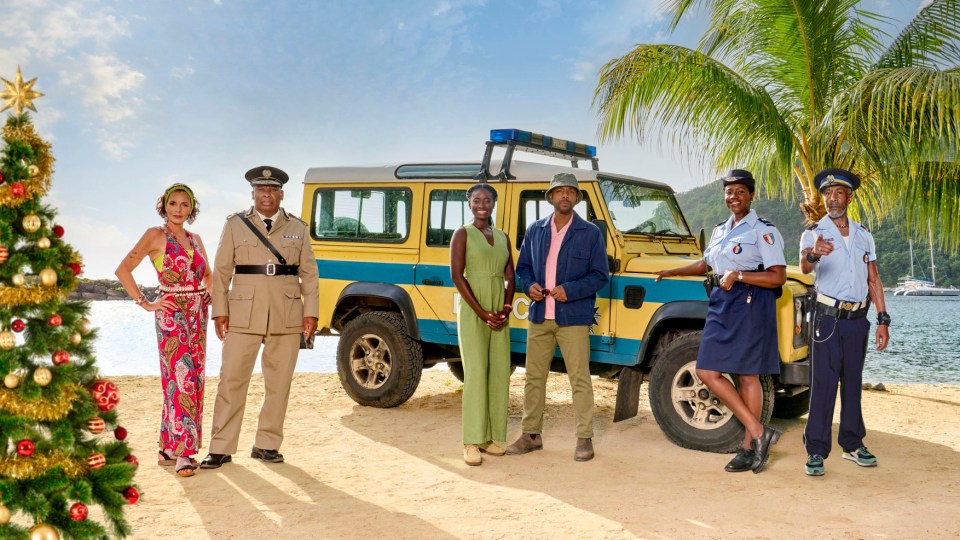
(844,256)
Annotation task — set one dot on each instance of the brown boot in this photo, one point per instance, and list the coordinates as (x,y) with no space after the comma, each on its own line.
(584,450)
(526,443)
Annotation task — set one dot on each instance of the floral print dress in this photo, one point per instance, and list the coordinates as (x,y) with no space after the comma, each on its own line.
(182,340)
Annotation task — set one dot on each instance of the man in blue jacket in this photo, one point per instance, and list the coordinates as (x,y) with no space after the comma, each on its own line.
(562,265)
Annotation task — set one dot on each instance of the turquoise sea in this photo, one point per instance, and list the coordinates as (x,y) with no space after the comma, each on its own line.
(924,347)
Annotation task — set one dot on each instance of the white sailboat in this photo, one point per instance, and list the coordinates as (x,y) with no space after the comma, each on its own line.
(912,286)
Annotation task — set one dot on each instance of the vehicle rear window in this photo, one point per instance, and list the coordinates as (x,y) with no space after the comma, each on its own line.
(368,215)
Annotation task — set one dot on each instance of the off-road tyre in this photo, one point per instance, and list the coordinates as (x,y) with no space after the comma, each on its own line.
(378,363)
(676,397)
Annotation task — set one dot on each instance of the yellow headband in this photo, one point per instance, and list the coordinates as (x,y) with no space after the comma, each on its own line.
(179,187)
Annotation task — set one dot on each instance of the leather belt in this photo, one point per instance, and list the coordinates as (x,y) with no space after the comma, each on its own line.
(841,305)
(268,269)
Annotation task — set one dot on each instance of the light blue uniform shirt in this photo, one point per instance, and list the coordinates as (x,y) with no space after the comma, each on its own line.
(843,273)
(752,242)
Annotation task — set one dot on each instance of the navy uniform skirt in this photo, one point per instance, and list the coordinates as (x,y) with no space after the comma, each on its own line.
(738,337)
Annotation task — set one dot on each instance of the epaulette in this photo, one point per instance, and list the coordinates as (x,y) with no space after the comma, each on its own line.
(235,214)
(292,217)
(721,223)
(766,222)
(812,227)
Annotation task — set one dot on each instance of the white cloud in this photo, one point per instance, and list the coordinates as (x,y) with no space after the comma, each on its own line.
(108,86)
(182,72)
(615,29)
(46,29)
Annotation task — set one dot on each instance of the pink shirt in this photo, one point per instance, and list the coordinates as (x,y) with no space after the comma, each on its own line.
(556,240)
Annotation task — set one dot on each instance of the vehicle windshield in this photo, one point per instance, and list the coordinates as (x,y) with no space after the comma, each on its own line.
(642,210)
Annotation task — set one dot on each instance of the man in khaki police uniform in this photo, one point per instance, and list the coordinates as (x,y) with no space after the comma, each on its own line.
(273,301)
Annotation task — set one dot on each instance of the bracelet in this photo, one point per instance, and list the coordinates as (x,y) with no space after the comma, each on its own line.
(883,319)
(140,299)
(811,259)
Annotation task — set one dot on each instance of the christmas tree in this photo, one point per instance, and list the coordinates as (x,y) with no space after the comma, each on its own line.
(61,445)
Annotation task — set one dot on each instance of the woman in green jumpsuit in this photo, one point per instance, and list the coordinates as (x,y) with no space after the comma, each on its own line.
(481,266)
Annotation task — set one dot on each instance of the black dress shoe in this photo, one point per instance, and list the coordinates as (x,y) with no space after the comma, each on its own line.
(762,446)
(270,456)
(742,462)
(214,461)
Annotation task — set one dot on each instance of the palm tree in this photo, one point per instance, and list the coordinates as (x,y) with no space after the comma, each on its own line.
(789,87)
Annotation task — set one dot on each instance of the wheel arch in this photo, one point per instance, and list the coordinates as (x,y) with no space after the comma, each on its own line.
(363,296)
(672,317)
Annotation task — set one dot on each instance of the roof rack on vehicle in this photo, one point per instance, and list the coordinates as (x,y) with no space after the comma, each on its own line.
(526,141)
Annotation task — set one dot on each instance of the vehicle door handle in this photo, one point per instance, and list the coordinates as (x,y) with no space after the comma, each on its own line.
(434,282)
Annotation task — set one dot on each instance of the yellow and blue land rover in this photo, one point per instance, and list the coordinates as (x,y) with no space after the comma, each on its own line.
(382,234)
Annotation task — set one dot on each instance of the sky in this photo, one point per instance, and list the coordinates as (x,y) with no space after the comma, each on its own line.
(140,95)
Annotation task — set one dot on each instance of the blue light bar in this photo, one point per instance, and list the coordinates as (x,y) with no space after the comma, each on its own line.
(543,142)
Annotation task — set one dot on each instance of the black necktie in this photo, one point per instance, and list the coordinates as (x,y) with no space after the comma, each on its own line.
(268,223)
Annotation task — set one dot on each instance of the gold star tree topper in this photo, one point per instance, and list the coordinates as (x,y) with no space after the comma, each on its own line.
(19,95)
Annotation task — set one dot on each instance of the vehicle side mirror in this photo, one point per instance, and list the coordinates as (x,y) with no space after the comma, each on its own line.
(602,225)
(702,239)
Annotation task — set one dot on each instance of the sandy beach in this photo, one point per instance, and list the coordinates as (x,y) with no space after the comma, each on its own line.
(358,472)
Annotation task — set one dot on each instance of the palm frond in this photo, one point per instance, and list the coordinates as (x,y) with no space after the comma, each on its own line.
(701,106)
(930,40)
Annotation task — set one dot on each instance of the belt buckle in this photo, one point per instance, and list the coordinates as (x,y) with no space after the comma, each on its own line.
(271,269)
(847,306)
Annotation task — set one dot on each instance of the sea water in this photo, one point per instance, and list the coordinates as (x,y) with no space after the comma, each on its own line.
(924,343)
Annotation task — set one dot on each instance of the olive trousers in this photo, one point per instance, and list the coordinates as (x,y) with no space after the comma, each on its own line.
(574,342)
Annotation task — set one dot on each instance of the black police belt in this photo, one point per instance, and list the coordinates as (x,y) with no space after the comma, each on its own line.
(268,269)
(840,309)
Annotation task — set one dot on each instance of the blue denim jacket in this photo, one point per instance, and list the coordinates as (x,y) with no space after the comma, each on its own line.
(581,269)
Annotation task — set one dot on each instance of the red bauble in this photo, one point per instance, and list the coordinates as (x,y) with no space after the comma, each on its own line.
(105,394)
(18,325)
(131,495)
(58,230)
(1,177)
(120,433)
(25,448)
(96,425)
(77,269)
(55,320)
(17,189)
(78,512)
(61,357)
(4,254)
(132,459)
(95,461)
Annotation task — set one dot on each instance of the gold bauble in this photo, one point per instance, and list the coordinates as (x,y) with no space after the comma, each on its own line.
(11,381)
(42,376)
(43,242)
(18,280)
(4,515)
(84,326)
(31,223)
(48,277)
(42,531)
(33,170)
(75,339)
(7,340)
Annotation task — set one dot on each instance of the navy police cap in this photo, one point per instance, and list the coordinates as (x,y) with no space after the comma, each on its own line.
(740,176)
(266,176)
(836,177)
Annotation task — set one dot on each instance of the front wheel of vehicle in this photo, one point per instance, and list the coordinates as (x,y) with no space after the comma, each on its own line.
(378,363)
(687,411)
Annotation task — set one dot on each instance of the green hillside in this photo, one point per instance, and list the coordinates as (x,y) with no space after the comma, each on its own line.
(704,208)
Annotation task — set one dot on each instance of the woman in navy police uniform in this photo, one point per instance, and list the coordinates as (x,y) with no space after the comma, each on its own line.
(740,333)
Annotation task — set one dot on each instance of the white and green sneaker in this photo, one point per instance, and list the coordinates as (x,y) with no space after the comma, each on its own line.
(861,457)
(814,465)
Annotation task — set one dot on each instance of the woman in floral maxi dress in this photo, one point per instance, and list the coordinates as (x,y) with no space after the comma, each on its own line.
(181,311)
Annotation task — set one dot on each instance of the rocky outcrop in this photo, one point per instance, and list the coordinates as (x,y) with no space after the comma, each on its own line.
(104,289)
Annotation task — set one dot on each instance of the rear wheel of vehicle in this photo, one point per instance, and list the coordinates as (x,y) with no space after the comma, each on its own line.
(457,369)
(792,406)
(378,363)
(686,410)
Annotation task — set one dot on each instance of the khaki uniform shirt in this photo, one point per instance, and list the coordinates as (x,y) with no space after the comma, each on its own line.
(257,303)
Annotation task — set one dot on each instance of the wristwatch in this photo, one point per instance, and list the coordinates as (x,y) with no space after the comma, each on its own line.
(739,276)
(883,318)
(811,259)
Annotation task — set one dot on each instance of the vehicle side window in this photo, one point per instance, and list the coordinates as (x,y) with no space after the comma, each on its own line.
(448,212)
(534,206)
(371,215)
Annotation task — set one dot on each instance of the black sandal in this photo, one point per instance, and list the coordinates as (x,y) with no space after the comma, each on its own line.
(164,460)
